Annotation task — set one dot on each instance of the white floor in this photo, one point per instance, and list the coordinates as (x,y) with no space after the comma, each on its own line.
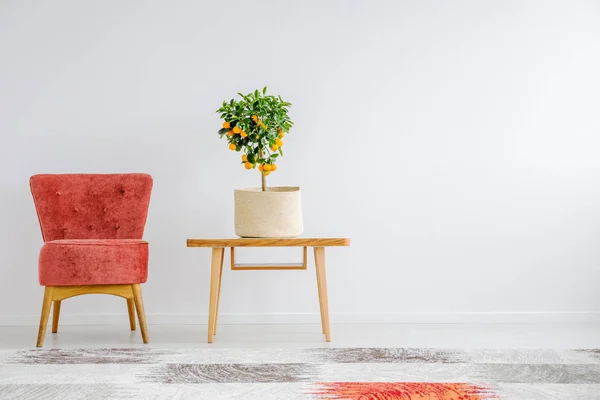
(556,336)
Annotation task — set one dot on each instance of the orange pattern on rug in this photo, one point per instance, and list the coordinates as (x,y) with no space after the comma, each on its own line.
(401,391)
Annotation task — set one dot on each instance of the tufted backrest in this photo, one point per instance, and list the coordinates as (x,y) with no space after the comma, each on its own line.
(91,206)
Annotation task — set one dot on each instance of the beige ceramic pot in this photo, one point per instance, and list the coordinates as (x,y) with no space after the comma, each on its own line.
(276,212)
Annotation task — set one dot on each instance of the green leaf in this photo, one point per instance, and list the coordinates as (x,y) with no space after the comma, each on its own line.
(251,158)
(223,131)
(281,151)
(274,155)
(265,90)
(256,93)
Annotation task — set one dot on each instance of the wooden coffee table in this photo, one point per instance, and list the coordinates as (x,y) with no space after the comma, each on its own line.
(218,251)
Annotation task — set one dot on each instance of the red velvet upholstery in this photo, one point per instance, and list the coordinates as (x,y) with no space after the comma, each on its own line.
(91,206)
(92,225)
(93,262)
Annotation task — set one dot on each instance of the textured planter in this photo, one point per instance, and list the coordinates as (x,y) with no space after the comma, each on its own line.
(276,212)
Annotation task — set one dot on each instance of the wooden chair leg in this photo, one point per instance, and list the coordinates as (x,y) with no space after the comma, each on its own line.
(55,315)
(46,305)
(139,306)
(219,290)
(131,312)
(214,287)
(322,286)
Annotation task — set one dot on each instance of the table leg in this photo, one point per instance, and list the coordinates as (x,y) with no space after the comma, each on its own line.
(219,289)
(215,272)
(322,286)
(320,297)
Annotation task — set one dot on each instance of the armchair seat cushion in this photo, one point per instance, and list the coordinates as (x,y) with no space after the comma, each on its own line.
(93,262)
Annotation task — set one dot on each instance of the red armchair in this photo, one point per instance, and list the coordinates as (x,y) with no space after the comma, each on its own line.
(92,226)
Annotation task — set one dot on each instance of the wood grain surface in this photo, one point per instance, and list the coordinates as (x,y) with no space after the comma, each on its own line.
(269,242)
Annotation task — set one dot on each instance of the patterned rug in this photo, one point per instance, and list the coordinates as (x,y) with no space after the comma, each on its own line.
(282,374)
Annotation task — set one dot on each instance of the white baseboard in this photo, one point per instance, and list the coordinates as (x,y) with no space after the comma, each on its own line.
(309,318)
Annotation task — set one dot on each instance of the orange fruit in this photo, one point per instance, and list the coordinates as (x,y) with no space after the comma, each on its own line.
(279,142)
(265,173)
(232,146)
(248,165)
(243,134)
(256,137)
(226,125)
(237,129)
(244,157)
(267,167)
(274,147)
(230,133)
(281,134)
(260,168)
(273,167)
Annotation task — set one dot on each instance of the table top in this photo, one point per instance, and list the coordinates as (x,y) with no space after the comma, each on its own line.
(269,242)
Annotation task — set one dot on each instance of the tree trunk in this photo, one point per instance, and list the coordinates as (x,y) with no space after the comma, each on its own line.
(263,178)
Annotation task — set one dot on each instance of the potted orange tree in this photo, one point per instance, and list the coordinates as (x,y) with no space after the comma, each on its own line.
(255,126)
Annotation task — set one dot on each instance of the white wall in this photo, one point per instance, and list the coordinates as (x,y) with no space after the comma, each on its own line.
(456,143)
